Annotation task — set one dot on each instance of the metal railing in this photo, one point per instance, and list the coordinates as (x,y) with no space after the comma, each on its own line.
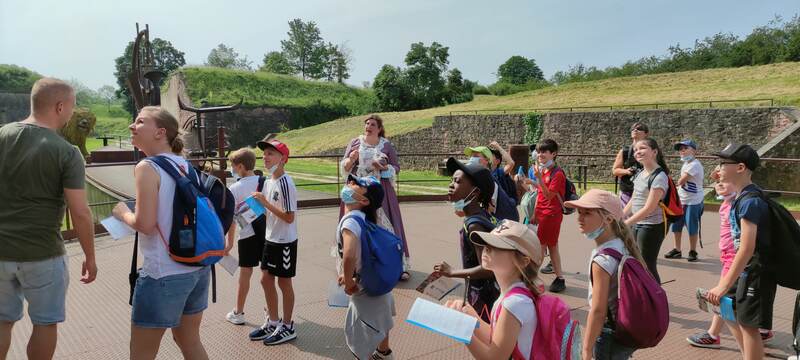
(643,106)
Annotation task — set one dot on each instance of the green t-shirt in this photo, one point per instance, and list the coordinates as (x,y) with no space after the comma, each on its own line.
(36,165)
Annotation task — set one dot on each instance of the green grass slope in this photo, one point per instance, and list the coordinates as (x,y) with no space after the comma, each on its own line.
(777,81)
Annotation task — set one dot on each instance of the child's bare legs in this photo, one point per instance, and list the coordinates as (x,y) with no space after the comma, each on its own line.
(555,258)
(753,345)
(679,239)
(288,299)
(270,294)
(736,332)
(716,326)
(245,273)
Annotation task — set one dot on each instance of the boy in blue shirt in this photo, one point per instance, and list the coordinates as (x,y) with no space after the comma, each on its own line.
(751,287)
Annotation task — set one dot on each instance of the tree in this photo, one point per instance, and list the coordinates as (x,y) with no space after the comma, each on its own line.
(304,48)
(83,95)
(227,58)
(15,78)
(166,57)
(426,66)
(391,89)
(107,93)
(458,89)
(518,70)
(276,62)
(335,61)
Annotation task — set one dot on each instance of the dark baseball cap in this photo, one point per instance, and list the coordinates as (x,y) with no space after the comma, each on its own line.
(686,142)
(740,153)
(374,189)
(478,174)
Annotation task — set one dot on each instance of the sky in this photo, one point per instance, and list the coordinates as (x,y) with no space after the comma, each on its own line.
(79,39)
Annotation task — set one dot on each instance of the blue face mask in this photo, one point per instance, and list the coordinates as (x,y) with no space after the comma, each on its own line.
(235,176)
(347,195)
(474,161)
(687,158)
(461,204)
(547,165)
(594,234)
(272,169)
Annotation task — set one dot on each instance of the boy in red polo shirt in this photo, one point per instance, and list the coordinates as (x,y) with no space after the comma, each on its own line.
(548,212)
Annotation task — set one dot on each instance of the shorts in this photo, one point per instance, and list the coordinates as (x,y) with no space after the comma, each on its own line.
(367,323)
(549,229)
(160,303)
(691,218)
(43,284)
(726,258)
(280,260)
(251,249)
(753,296)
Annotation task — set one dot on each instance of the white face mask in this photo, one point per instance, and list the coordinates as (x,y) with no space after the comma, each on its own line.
(474,161)
(687,158)
(271,170)
(547,165)
(235,176)
(594,234)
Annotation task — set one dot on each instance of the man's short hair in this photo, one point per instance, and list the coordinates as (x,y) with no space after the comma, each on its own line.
(547,145)
(244,156)
(47,92)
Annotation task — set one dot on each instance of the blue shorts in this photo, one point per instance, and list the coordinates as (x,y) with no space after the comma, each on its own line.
(43,284)
(160,303)
(691,219)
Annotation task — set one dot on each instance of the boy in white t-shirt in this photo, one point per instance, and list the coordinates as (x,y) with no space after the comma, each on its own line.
(690,192)
(250,236)
(279,258)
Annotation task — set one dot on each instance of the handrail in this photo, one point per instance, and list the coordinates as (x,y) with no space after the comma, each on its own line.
(619,107)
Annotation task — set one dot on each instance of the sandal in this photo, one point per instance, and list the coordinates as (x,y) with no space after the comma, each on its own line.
(405,276)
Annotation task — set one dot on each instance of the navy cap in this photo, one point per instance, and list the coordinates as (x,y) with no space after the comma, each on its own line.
(480,176)
(687,142)
(374,189)
(741,154)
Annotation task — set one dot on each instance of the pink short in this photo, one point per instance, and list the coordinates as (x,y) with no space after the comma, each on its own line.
(726,257)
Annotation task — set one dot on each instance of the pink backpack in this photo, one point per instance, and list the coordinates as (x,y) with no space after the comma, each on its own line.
(642,306)
(557,335)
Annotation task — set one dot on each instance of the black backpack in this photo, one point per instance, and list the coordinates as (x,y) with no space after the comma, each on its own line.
(781,248)
(796,326)
(569,193)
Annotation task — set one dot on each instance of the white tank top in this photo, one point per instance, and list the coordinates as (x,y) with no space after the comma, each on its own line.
(156,261)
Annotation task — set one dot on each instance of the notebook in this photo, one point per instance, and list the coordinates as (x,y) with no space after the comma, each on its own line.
(442,320)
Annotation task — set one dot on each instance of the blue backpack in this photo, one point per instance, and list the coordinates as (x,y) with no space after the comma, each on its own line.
(381,258)
(197,236)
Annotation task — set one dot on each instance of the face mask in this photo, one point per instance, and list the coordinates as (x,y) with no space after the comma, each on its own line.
(272,169)
(687,158)
(235,176)
(474,161)
(547,165)
(461,204)
(594,234)
(347,195)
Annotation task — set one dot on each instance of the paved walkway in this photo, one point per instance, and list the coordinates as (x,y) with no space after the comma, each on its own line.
(98,318)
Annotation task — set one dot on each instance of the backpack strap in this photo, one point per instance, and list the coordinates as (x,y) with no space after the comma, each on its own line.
(617,256)
(516,290)
(738,201)
(481,220)
(134,274)
(166,164)
(261,181)
(652,177)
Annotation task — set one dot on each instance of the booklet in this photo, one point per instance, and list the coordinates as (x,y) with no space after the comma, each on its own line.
(442,320)
(336,295)
(248,210)
(117,229)
(230,264)
(438,286)
(724,310)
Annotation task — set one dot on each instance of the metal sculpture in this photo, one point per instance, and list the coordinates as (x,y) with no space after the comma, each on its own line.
(144,78)
(197,124)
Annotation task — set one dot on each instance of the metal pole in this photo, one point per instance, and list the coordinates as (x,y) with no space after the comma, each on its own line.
(221,151)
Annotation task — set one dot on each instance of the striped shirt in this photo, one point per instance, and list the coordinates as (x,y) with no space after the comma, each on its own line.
(281,193)
(691,193)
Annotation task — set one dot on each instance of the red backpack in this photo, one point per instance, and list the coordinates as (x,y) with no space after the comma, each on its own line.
(671,204)
(557,335)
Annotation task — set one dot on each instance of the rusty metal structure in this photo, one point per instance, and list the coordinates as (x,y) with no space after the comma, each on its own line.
(144,78)
(197,125)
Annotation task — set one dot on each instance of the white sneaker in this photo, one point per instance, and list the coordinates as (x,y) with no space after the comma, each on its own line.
(234,318)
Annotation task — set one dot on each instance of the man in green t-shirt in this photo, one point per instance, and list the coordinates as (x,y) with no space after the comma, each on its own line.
(40,171)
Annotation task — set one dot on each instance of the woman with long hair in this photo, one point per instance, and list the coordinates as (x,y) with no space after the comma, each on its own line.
(167,294)
(646,217)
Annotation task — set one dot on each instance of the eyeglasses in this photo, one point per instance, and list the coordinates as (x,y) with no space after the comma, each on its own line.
(728,163)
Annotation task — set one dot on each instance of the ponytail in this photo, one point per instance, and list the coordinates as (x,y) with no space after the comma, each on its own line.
(165,120)
(623,232)
(529,273)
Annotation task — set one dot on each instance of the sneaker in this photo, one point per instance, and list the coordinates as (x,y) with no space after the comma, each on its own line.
(281,335)
(767,336)
(547,269)
(558,285)
(673,254)
(377,355)
(692,256)
(234,318)
(704,340)
(264,331)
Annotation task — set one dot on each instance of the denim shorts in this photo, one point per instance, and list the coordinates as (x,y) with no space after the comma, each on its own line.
(160,303)
(43,284)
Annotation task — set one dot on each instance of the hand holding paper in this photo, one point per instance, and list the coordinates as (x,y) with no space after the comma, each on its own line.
(442,320)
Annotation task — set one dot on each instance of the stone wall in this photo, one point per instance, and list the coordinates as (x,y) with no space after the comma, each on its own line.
(14,107)
(607,132)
